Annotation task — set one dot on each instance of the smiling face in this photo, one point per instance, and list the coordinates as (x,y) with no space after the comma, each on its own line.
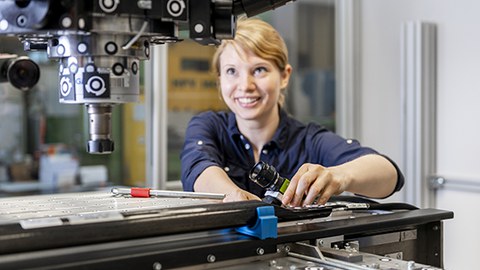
(250,85)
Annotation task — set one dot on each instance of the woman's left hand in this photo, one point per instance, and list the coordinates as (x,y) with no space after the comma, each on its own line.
(314,182)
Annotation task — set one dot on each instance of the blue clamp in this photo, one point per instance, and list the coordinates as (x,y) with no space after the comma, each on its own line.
(265,226)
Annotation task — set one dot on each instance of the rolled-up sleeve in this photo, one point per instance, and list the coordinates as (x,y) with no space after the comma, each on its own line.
(333,149)
(337,150)
(200,149)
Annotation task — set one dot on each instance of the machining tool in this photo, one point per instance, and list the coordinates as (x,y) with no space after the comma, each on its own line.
(99,44)
(147,192)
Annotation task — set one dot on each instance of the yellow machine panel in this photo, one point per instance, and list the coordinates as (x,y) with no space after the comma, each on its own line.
(134,143)
(192,85)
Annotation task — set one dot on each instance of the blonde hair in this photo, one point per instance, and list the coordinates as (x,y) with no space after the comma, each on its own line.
(262,39)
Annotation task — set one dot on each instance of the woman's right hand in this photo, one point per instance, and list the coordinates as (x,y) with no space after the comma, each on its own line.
(215,179)
(240,195)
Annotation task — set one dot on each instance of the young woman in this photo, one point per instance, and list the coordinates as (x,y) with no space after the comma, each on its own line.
(221,147)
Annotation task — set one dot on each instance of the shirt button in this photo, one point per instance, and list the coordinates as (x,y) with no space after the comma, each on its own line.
(349,141)
(265,151)
(241,137)
(200,143)
(227,169)
(247,146)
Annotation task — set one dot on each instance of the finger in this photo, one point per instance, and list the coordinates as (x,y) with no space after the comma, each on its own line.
(303,186)
(319,185)
(332,188)
(326,194)
(292,187)
(314,190)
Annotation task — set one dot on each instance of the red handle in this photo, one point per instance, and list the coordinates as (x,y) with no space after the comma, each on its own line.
(140,192)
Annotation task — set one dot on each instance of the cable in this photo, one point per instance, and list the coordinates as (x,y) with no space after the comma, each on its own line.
(136,37)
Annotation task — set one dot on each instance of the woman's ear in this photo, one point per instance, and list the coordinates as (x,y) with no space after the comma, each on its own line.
(286,76)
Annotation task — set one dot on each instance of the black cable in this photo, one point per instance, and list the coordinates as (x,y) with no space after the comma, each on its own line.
(374,205)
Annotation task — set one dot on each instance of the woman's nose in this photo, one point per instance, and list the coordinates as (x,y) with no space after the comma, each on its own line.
(246,82)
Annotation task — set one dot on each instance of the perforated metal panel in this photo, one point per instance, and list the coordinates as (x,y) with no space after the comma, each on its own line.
(70,205)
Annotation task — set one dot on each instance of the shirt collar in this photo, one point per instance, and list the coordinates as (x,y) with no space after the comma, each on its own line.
(279,138)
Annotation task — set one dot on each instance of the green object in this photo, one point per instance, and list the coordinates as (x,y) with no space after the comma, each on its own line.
(284,186)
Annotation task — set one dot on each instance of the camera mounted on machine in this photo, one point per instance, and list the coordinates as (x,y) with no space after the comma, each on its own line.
(19,71)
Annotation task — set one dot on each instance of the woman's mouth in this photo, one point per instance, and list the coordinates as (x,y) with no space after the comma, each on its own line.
(247,100)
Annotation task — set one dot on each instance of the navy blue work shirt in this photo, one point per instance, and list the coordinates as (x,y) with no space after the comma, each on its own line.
(213,139)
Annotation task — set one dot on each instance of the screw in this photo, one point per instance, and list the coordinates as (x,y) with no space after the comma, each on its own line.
(260,251)
(198,28)
(22,20)
(211,258)
(157,266)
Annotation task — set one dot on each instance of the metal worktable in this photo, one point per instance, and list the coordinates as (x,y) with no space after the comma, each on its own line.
(96,230)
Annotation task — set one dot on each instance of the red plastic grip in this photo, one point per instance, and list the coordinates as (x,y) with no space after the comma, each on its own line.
(140,192)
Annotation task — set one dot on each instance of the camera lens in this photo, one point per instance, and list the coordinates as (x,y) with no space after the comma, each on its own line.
(23,73)
(263,174)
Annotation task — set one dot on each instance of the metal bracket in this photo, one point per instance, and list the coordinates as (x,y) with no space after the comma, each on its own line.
(305,250)
(438,182)
(266,224)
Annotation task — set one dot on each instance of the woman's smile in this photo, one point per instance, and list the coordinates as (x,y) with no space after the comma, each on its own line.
(247,102)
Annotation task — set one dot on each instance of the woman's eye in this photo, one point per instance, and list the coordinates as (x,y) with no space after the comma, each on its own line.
(260,70)
(230,71)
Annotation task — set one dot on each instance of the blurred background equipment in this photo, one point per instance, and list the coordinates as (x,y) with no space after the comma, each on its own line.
(99,44)
(34,118)
(20,71)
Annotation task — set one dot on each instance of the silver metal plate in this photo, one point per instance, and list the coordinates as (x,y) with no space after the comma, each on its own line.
(46,210)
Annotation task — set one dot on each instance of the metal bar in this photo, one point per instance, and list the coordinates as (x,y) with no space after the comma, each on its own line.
(338,264)
(439,182)
(156,119)
(348,90)
(171,193)
(418,100)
